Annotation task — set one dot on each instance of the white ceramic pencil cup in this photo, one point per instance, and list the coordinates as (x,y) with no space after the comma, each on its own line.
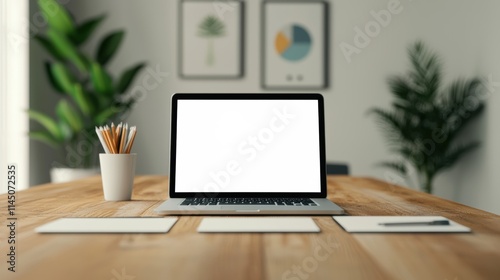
(117,172)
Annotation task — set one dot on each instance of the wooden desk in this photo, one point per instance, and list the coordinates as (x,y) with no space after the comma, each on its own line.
(185,254)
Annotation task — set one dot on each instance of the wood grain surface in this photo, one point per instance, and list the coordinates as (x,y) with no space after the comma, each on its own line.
(185,254)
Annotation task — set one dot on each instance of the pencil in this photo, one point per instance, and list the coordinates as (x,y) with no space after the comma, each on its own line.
(121,148)
(116,133)
(119,131)
(101,139)
(112,131)
(106,141)
(107,136)
(133,131)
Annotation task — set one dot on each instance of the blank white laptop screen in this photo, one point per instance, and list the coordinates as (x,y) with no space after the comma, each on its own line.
(247,146)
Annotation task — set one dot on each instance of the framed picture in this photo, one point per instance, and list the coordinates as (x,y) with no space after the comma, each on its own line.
(295,45)
(210,39)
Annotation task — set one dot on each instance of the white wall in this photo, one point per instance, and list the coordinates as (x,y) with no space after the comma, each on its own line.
(14,91)
(463,32)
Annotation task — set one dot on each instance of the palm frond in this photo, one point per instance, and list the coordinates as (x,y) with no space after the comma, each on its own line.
(400,87)
(211,26)
(459,92)
(398,126)
(388,121)
(455,153)
(461,105)
(398,166)
(426,72)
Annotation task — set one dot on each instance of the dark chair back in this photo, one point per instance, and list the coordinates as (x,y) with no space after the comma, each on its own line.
(337,169)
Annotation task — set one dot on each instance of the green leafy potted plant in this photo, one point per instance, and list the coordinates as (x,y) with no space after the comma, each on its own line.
(425,121)
(89,95)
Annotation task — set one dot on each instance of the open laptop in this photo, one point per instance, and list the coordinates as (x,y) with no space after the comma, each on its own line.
(247,154)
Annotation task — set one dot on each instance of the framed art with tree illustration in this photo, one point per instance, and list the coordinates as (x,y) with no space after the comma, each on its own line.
(210,39)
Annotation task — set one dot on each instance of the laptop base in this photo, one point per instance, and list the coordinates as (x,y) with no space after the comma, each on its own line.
(173,207)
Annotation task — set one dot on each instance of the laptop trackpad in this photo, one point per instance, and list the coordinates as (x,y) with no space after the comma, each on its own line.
(242,208)
(201,207)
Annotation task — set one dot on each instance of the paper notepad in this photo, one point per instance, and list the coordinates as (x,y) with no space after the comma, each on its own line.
(372,224)
(261,224)
(109,225)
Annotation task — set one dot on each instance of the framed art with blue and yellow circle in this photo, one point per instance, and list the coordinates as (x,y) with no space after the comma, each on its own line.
(294,45)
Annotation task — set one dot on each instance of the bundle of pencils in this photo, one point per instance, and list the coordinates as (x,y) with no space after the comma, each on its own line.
(115,140)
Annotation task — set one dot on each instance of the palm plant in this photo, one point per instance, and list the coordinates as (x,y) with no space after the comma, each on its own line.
(89,96)
(211,27)
(426,119)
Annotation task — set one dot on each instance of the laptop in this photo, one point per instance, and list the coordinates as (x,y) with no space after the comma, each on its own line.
(247,154)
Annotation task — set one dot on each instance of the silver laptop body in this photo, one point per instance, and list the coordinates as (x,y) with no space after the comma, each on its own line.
(247,154)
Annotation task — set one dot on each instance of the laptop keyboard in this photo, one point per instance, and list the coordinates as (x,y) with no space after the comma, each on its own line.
(249,201)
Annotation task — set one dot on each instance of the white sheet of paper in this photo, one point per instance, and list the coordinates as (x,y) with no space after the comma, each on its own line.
(109,225)
(261,224)
(372,224)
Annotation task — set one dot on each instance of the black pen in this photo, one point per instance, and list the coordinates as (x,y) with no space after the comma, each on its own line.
(431,223)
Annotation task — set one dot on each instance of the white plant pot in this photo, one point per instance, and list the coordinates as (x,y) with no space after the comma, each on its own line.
(62,174)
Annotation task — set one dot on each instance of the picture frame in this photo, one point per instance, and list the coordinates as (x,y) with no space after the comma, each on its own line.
(211,39)
(295,43)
